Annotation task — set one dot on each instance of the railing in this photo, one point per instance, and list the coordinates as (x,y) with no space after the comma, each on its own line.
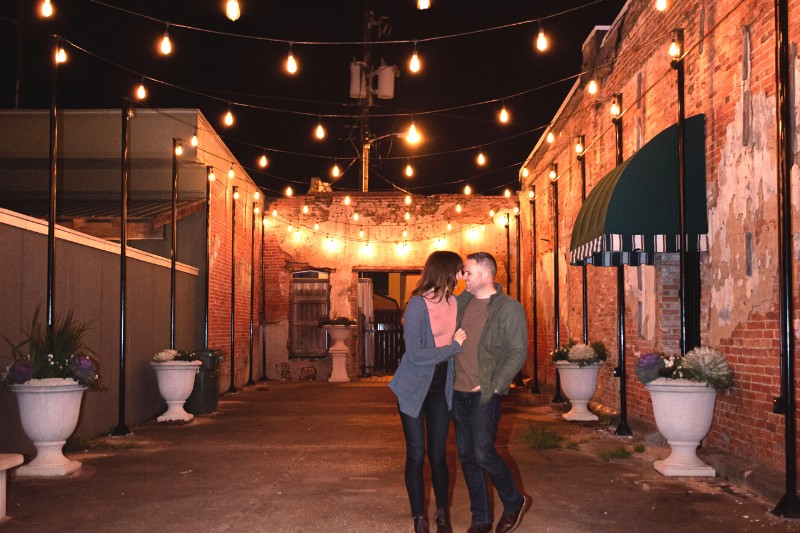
(386,333)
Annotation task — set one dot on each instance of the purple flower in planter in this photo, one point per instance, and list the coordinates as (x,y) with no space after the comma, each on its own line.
(20,371)
(649,367)
(83,369)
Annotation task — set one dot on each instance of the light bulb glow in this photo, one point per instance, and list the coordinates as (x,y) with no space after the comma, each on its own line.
(256,195)
(553,173)
(274,212)
(229,118)
(481,159)
(347,200)
(407,216)
(413,136)
(458,208)
(407,199)
(291,63)
(467,190)
(263,161)
(336,171)
(516,210)
(615,108)
(507,193)
(305,209)
(405,233)
(319,133)
(141,92)
(355,217)
(550,137)
(361,233)
(409,170)
(289,228)
(316,226)
(256,210)
(541,41)
(578,147)
(289,191)
(46,9)
(232,10)
(530,194)
(491,213)
(231,174)
(449,226)
(504,116)
(193,140)
(166,45)
(423,4)
(61,55)
(212,176)
(661,5)
(525,172)
(592,87)
(179,150)
(235,194)
(414,64)
(674,50)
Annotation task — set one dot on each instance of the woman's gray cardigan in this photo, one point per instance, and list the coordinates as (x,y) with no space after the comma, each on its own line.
(413,377)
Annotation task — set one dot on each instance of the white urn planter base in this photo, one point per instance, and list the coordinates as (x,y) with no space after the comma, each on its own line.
(578,384)
(175,383)
(49,410)
(683,411)
(339,352)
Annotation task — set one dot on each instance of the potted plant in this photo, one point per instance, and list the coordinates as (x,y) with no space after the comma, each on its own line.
(578,366)
(339,330)
(684,390)
(50,371)
(175,375)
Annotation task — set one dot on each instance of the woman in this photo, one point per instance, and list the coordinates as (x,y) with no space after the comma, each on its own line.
(423,383)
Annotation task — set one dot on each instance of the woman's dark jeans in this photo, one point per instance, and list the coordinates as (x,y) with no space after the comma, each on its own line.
(436,416)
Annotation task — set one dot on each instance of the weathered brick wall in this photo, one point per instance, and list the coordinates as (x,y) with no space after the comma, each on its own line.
(336,247)
(730,77)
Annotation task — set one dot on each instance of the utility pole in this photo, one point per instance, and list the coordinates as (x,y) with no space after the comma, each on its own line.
(366,101)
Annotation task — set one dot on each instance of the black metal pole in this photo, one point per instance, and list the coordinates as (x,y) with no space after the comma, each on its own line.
(127,112)
(209,179)
(263,305)
(232,387)
(789,505)
(584,289)
(251,381)
(53,167)
(534,263)
(20,32)
(557,398)
(622,428)
(508,254)
(174,246)
(519,256)
(677,64)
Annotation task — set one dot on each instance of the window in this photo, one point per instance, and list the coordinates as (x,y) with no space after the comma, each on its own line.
(309,301)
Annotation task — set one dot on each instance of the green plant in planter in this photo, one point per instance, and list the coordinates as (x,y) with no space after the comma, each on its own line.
(702,364)
(580,354)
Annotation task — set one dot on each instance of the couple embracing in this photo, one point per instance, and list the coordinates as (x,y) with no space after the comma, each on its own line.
(461,354)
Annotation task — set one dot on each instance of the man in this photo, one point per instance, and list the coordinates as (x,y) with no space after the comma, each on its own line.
(492,354)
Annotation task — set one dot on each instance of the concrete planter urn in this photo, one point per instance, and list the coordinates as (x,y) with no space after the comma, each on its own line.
(683,411)
(175,383)
(578,383)
(339,352)
(49,410)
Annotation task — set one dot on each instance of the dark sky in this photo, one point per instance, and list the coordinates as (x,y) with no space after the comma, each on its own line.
(456,71)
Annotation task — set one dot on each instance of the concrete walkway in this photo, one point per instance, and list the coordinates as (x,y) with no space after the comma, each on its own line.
(324,457)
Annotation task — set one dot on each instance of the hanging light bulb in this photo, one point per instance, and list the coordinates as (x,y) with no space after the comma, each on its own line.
(335,170)
(236,193)
(289,191)
(661,5)
(449,226)
(550,137)
(530,194)
(141,92)
(305,209)
(525,172)
(409,170)
(231,174)
(263,161)
(316,226)
(592,87)
(458,208)
(347,200)
(413,136)
(194,141)
(355,217)
(579,145)
(179,150)
(61,55)
(232,10)
(166,45)
(467,190)
(516,209)
(47,9)
(319,133)
(229,117)
(491,213)
(256,210)
(507,193)
(553,171)
(211,175)
(256,195)
(615,109)
(405,233)
(483,227)
(481,159)
(408,199)
(541,39)
(289,228)
(423,4)
(414,65)
(361,232)
(503,116)
(274,212)
(291,62)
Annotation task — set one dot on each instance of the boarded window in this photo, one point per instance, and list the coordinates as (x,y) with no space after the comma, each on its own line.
(309,300)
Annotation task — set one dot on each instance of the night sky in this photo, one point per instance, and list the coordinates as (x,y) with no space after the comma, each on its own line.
(456,71)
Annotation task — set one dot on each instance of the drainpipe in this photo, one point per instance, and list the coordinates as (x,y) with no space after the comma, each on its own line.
(785,404)
(232,388)
(174,247)
(251,381)
(582,160)
(534,261)
(263,302)
(209,179)
(557,398)
(508,254)
(53,167)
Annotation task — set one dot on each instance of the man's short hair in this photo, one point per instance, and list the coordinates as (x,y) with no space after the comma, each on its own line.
(485,260)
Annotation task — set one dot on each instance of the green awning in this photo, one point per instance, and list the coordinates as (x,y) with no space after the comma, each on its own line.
(633,212)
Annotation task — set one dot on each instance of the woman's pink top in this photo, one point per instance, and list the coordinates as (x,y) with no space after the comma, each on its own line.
(443,319)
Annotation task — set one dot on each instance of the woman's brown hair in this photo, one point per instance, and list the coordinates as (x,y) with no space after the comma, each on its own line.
(439,275)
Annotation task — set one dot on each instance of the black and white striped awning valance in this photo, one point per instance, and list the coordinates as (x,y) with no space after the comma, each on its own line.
(615,249)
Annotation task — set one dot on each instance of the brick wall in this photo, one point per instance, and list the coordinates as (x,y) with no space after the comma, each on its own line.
(736,92)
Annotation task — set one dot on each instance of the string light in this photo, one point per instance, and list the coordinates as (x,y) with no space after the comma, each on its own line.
(166,45)
(405,233)
(231,174)
(458,208)
(413,136)
(263,161)
(361,232)
(355,217)
(61,54)
(553,171)
(289,228)
(481,159)
(319,133)
(256,209)
(414,65)
(491,213)
(409,170)
(211,175)
(335,170)
(291,62)
(274,212)
(615,109)
(423,4)
(525,172)
(550,137)
(661,5)
(256,195)
(141,91)
(507,193)
(530,194)
(193,141)
(592,87)
(347,200)
(467,190)
(47,9)
(516,209)
(229,117)
(541,39)
(408,199)
(305,209)
(407,216)
(236,193)
(232,10)
(289,191)
(316,226)
(503,116)
(449,226)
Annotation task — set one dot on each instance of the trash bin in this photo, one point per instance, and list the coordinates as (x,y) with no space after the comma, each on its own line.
(203,399)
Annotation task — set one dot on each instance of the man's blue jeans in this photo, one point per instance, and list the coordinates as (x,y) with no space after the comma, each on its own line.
(436,416)
(476,430)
